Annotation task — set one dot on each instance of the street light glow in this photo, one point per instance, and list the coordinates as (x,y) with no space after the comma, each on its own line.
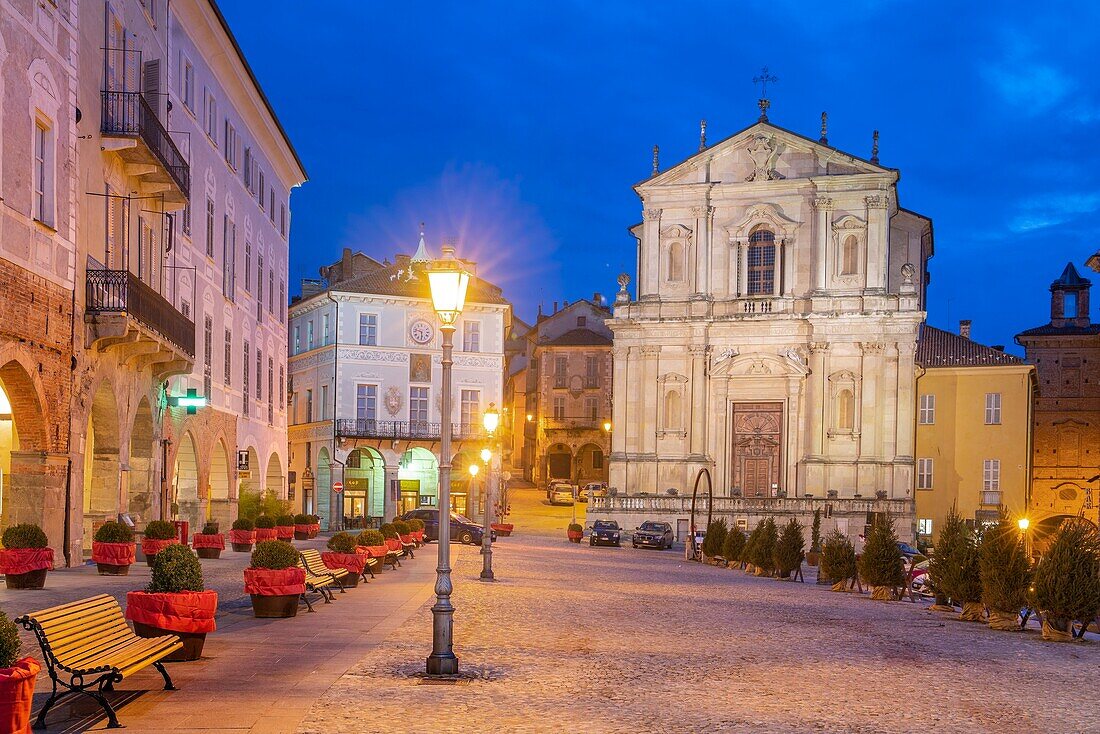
(1023,523)
(491,418)
(607,426)
(473,470)
(448,281)
(486,454)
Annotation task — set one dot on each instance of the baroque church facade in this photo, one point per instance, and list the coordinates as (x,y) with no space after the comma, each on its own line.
(771,339)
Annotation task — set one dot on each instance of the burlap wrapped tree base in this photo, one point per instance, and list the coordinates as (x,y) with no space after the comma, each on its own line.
(882,593)
(761,572)
(841,585)
(972,611)
(1007,621)
(1056,635)
(938,607)
(749,568)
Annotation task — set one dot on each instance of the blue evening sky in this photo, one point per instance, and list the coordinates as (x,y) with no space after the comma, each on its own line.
(519,127)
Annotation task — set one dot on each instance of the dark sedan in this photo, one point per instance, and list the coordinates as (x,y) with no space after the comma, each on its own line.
(653,535)
(605,532)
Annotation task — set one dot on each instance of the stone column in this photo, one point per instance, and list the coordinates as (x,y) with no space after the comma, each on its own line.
(823,205)
(651,399)
(619,403)
(877,237)
(742,269)
(649,262)
(905,386)
(702,216)
(633,409)
(698,444)
(788,267)
(777,270)
(816,397)
(389,502)
(870,405)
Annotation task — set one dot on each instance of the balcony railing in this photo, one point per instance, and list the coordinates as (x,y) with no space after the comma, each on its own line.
(991,498)
(128,114)
(681,504)
(562,424)
(120,291)
(408,430)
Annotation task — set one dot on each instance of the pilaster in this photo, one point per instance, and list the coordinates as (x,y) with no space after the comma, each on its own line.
(823,205)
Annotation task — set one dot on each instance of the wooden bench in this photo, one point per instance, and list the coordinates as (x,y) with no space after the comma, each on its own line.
(316,584)
(88,647)
(316,565)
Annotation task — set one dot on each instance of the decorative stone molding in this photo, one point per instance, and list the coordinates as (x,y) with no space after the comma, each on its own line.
(822,203)
(769,215)
(819,347)
(696,350)
(795,354)
(374,355)
(876,201)
(647,351)
(672,377)
(652,214)
(764,152)
(677,232)
(702,211)
(872,348)
(394,400)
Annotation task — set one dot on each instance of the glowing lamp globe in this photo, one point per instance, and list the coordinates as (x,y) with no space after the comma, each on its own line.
(1023,523)
(491,418)
(473,470)
(448,282)
(486,454)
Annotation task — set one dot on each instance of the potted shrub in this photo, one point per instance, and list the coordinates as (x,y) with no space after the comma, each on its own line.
(955,569)
(393,540)
(1005,573)
(734,546)
(273,580)
(838,560)
(343,553)
(159,534)
(303,526)
(26,557)
(788,551)
(265,529)
(815,539)
(1066,585)
(243,535)
(714,540)
(574,532)
(209,543)
(284,527)
(372,544)
(416,529)
(17,677)
(113,549)
(403,531)
(175,603)
(314,525)
(503,529)
(881,564)
(763,551)
(749,551)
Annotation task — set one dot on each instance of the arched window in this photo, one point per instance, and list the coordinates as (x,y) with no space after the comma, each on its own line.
(761,263)
(675,262)
(849,256)
(672,410)
(845,410)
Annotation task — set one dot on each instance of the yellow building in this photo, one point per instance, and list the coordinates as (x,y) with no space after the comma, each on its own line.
(973,430)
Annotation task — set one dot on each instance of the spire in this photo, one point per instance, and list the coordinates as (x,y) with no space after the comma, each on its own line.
(763,103)
(421,255)
(874,147)
(824,139)
(656,155)
(702,135)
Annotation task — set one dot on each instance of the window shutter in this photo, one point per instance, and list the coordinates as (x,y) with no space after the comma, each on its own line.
(150,84)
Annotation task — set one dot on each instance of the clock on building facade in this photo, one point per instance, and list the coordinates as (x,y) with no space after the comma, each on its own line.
(421,331)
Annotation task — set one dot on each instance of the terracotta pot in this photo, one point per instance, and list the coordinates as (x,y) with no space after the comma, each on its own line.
(29,580)
(110,569)
(17,694)
(300,535)
(274,607)
(192,642)
(575,535)
(350,581)
(812,558)
(209,552)
(242,547)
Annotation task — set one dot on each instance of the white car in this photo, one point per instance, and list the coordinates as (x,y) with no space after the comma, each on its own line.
(593,489)
(561,494)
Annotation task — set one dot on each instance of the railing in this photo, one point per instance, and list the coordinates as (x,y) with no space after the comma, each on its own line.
(411,430)
(991,497)
(552,424)
(120,291)
(748,505)
(129,114)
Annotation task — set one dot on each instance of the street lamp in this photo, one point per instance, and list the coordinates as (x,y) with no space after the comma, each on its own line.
(448,282)
(491,420)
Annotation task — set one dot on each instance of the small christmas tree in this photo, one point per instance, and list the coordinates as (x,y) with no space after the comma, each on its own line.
(715,538)
(764,551)
(959,573)
(881,564)
(953,534)
(734,545)
(1005,574)
(788,551)
(838,560)
(749,551)
(815,532)
(1067,584)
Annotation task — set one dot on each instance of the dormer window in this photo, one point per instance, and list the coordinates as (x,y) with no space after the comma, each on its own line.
(761,262)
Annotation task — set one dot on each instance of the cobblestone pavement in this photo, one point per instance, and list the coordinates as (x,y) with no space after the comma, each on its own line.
(620,640)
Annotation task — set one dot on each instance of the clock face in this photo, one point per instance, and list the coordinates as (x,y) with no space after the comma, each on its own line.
(421,332)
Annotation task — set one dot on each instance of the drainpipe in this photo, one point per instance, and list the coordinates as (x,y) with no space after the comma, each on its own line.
(335,402)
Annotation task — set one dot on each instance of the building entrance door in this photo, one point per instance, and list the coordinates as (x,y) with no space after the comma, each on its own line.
(757,448)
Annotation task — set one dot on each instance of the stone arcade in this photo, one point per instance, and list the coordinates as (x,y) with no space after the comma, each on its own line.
(771,341)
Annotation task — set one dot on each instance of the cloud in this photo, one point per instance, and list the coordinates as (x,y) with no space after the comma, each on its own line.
(1051,210)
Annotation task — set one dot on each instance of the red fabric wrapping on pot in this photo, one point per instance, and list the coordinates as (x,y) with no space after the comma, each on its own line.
(274,582)
(419,535)
(350,562)
(378,551)
(198,540)
(266,534)
(393,544)
(285,532)
(303,528)
(315,527)
(152,547)
(187,611)
(16,692)
(114,554)
(24,560)
(243,537)
(408,538)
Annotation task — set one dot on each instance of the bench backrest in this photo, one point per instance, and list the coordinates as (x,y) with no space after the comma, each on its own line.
(315,565)
(74,634)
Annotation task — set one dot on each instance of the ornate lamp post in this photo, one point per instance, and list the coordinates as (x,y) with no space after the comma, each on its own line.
(491,419)
(448,282)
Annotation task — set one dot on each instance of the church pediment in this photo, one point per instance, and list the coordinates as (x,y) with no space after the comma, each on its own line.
(756,364)
(761,153)
(768,215)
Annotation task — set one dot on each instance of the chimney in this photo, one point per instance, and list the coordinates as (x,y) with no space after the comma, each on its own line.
(597,299)
(964,328)
(555,307)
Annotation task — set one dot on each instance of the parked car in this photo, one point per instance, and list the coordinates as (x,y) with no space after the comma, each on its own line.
(605,532)
(463,529)
(652,534)
(593,489)
(554,484)
(562,494)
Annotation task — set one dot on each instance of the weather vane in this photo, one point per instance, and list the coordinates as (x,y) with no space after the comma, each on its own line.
(763,102)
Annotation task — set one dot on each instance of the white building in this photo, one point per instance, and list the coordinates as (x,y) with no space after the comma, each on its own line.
(780,289)
(365,371)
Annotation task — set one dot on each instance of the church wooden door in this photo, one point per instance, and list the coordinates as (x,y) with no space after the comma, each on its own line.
(757,444)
